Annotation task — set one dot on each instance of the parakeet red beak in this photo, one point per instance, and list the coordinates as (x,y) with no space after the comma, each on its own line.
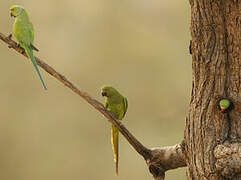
(104,93)
(222,108)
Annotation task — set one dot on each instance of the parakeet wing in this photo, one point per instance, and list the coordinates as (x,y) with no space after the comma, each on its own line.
(31,32)
(125,102)
(24,33)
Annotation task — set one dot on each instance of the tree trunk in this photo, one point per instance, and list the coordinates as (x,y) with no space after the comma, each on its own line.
(215,48)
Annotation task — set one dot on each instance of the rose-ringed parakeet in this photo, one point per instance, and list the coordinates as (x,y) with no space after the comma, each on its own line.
(117,104)
(224,104)
(24,33)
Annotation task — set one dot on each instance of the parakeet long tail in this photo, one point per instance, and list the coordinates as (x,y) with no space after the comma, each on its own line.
(115,146)
(29,52)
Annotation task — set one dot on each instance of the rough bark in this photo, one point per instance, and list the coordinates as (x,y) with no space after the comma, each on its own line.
(209,133)
(165,158)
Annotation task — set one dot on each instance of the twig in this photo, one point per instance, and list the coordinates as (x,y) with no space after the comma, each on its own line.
(158,160)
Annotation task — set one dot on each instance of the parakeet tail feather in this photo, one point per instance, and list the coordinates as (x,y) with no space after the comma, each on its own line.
(29,52)
(115,146)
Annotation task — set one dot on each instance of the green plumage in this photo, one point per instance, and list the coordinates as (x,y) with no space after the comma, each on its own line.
(24,33)
(117,104)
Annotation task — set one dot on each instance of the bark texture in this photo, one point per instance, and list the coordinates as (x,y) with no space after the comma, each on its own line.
(215,47)
(163,159)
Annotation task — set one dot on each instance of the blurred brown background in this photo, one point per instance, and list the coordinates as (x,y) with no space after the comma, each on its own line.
(138,46)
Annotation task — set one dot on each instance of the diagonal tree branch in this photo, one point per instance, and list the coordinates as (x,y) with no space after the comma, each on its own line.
(158,160)
(142,150)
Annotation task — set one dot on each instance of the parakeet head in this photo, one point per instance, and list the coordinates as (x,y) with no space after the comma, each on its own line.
(108,91)
(15,10)
(224,104)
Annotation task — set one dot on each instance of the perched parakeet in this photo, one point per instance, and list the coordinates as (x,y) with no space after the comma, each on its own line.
(24,33)
(117,104)
(224,104)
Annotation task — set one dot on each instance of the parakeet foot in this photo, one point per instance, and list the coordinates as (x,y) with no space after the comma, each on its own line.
(10,36)
(20,47)
(22,50)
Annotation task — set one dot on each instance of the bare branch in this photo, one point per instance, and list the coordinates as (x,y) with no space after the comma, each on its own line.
(130,138)
(158,160)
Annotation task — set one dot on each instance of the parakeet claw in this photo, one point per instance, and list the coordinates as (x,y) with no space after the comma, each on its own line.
(10,36)
(22,51)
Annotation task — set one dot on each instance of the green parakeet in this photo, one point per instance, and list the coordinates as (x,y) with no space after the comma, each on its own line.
(117,104)
(24,33)
(224,104)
